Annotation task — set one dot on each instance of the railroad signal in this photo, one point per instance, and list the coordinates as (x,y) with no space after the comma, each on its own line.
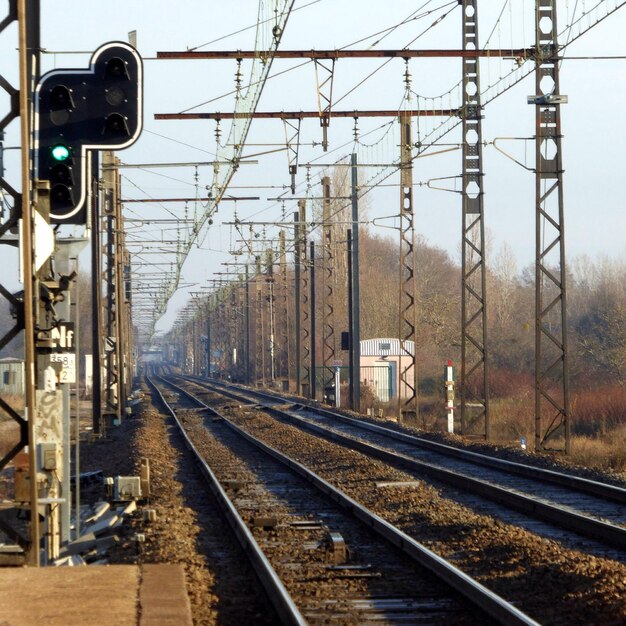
(77,110)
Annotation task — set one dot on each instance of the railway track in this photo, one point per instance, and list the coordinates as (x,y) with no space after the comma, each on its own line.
(320,555)
(556,576)
(543,501)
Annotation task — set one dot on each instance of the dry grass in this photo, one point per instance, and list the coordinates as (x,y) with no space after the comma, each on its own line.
(605,452)
(599,411)
(598,425)
(598,421)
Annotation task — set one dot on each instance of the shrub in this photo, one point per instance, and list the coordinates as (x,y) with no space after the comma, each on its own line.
(598,410)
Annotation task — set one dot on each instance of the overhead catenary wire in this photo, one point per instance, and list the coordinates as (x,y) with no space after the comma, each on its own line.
(427,143)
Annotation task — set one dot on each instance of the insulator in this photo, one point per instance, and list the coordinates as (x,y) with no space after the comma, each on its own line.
(407,78)
(218,132)
(238,77)
(355,130)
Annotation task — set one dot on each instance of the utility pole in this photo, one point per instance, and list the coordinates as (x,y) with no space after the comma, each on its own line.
(313,377)
(28,44)
(328,293)
(284,313)
(355,307)
(208,339)
(297,254)
(248,329)
(407,364)
(112,227)
(304,330)
(97,323)
(552,403)
(351,372)
(48,420)
(474,366)
(269,280)
(259,334)
(234,334)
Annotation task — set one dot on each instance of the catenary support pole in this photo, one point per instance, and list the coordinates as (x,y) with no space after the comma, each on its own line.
(354,280)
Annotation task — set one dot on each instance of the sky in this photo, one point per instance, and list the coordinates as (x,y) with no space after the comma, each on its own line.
(594,131)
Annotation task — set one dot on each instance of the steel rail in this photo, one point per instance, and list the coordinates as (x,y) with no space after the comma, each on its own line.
(577,483)
(473,591)
(282,602)
(592,528)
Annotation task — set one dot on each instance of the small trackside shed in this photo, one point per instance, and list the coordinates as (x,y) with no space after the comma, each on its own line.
(11,376)
(382,360)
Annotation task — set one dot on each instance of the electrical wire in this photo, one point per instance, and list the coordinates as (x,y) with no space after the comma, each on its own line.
(182,143)
(251,27)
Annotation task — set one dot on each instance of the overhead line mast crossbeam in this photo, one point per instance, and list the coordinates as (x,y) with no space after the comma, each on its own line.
(513,53)
(222,199)
(299,115)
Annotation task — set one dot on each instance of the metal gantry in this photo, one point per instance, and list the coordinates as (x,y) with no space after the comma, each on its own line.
(474,383)
(552,407)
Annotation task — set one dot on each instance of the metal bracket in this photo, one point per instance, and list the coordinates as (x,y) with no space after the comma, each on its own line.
(324,95)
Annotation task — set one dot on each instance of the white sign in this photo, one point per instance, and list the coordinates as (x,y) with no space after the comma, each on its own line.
(109,344)
(43,240)
(62,336)
(68,366)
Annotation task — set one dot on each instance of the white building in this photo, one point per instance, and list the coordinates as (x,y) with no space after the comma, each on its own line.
(12,376)
(382,361)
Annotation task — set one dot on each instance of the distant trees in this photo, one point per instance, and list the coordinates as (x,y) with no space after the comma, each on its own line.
(596,295)
(598,318)
(596,310)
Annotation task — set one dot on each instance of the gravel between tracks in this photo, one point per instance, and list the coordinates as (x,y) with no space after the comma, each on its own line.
(303,557)
(552,584)
(188,529)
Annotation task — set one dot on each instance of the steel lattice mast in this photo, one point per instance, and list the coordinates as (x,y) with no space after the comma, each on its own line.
(474,387)
(407,366)
(552,410)
(328,290)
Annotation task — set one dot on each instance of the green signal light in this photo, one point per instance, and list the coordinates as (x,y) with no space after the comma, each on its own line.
(60,152)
